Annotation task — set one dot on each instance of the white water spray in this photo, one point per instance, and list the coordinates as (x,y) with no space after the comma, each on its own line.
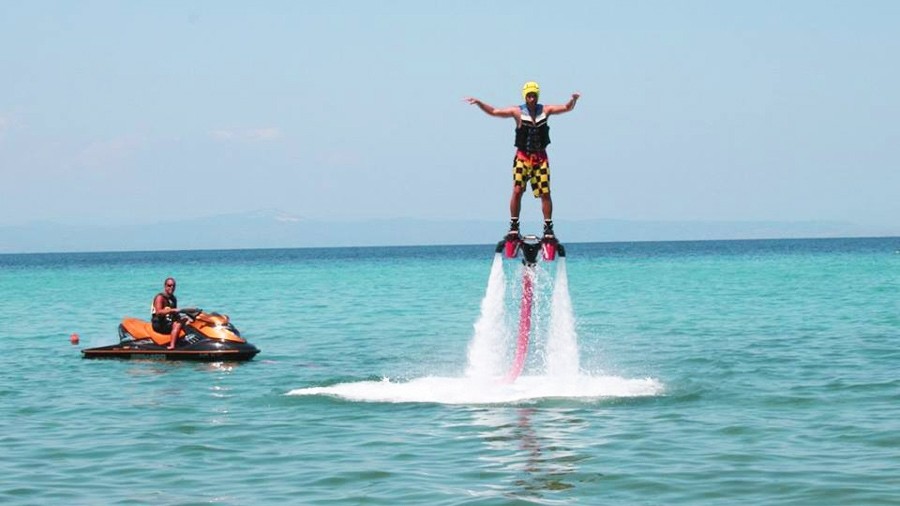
(488,347)
(553,371)
(562,341)
(554,342)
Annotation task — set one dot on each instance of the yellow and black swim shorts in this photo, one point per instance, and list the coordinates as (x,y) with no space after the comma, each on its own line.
(533,167)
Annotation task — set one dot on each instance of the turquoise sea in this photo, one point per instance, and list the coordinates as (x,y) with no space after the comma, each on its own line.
(676,373)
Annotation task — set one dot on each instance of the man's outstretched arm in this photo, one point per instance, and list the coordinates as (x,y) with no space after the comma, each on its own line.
(559,109)
(506,112)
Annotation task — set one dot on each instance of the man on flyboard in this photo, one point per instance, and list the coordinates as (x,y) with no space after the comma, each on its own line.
(530,163)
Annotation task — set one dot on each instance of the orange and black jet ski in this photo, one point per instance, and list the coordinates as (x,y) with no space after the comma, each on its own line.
(205,337)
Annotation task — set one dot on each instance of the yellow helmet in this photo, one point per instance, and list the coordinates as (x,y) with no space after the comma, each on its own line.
(531,87)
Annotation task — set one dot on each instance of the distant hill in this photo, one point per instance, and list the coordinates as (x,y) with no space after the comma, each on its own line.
(273,229)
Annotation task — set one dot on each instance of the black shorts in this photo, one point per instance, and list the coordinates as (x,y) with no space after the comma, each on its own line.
(161,325)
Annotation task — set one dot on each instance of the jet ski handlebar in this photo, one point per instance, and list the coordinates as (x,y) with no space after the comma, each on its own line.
(190,312)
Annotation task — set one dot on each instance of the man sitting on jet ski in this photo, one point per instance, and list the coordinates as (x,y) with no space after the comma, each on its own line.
(165,316)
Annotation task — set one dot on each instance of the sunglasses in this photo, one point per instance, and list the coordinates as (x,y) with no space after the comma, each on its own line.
(170,284)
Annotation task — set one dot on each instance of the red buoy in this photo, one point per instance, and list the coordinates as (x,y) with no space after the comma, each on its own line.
(73,338)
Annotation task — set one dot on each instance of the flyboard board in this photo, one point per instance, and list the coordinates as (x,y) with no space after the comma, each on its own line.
(530,247)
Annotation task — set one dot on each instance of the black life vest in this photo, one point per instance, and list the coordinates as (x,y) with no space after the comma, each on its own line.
(170,301)
(533,135)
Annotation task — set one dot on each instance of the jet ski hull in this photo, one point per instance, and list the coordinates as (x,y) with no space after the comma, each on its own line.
(207,353)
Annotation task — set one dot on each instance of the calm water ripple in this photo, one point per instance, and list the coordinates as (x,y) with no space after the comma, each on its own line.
(735,372)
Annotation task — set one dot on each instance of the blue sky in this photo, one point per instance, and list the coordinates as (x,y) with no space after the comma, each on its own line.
(138,112)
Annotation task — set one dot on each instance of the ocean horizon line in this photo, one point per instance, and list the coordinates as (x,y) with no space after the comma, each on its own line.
(274,229)
(448,245)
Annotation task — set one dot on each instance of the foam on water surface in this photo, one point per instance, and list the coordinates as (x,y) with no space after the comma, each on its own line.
(467,390)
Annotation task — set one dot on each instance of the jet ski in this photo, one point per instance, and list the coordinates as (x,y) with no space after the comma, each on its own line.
(206,337)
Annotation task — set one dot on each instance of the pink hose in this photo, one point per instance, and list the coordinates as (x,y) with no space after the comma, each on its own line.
(524,326)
